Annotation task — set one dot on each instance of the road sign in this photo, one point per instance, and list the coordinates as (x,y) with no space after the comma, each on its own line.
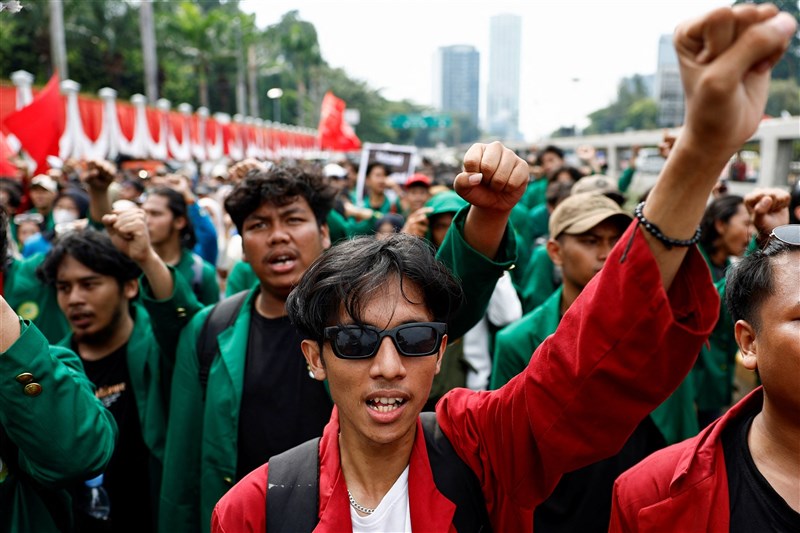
(419,121)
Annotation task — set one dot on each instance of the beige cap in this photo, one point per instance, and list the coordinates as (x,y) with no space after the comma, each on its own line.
(579,213)
(45,182)
(595,183)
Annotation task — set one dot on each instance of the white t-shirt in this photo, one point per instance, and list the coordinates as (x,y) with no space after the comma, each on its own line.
(391,514)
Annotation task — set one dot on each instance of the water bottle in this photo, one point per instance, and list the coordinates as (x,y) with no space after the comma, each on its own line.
(95,507)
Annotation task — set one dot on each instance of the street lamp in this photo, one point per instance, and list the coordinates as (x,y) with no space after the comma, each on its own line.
(275,94)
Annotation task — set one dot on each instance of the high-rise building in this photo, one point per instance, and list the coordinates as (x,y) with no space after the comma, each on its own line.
(668,89)
(456,81)
(502,98)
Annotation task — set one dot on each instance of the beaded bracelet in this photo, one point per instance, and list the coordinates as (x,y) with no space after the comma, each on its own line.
(656,232)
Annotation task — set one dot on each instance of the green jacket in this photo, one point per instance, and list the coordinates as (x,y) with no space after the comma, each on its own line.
(539,280)
(33,300)
(62,436)
(535,193)
(200,275)
(675,418)
(241,278)
(202,439)
(514,344)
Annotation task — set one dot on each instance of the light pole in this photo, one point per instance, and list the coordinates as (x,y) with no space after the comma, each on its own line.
(275,95)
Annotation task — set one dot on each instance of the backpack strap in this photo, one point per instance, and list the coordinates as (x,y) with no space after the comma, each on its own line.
(293,489)
(221,317)
(197,273)
(454,479)
(293,485)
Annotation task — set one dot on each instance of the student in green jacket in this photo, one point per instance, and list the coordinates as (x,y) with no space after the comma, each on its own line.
(54,433)
(173,239)
(259,399)
(125,350)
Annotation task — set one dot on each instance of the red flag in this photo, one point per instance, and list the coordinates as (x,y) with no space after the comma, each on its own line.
(39,126)
(6,168)
(334,132)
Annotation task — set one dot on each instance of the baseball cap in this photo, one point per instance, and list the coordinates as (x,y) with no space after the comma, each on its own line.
(45,182)
(418,179)
(332,170)
(595,183)
(581,212)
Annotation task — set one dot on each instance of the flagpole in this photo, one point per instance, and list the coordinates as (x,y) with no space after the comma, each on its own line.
(58,43)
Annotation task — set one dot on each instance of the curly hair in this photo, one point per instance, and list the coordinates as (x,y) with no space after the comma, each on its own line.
(91,248)
(280,185)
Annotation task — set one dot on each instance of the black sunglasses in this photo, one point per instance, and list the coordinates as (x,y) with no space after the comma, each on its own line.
(416,339)
(788,233)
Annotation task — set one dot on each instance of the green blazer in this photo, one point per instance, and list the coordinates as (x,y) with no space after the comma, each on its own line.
(33,300)
(202,438)
(61,436)
(208,288)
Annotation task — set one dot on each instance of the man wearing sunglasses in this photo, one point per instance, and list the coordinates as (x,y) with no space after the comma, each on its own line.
(589,384)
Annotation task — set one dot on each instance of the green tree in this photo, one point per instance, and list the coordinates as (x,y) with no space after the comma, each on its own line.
(784,95)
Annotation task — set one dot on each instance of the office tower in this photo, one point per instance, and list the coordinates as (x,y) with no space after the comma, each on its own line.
(668,89)
(502,99)
(456,81)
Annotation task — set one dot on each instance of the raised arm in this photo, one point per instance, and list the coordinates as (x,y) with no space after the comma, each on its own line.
(128,232)
(725,60)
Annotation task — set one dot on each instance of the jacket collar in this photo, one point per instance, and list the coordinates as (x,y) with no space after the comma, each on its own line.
(430,510)
(698,462)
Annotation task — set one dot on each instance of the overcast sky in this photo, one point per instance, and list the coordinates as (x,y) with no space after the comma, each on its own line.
(573,52)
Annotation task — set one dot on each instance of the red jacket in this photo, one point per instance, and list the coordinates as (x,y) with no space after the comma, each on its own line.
(683,487)
(621,349)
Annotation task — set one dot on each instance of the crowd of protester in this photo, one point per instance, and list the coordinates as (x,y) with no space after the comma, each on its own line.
(562,355)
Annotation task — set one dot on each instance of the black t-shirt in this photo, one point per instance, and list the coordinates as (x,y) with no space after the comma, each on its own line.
(127,477)
(581,502)
(755,506)
(282,405)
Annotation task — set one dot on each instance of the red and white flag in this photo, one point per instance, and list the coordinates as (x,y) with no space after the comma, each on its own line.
(334,132)
(39,125)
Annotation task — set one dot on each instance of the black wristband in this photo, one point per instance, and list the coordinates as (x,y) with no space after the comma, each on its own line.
(657,233)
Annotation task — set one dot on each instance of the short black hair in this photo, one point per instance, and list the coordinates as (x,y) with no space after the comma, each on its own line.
(176,203)
(794,202)
(553,149)
(722,208)
(346,276)
(280,185)
(573,172)
(91,248)
(376,164)
(751,281)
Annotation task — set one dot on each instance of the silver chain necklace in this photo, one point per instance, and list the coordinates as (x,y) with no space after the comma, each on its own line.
(357,506)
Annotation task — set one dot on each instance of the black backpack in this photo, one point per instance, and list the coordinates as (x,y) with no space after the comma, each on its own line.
(293,485)
(221,317)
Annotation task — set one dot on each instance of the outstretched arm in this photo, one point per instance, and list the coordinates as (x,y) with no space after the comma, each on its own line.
(725,60)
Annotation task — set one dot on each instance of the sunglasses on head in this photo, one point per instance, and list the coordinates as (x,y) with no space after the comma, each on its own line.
(788,233)
(415,339)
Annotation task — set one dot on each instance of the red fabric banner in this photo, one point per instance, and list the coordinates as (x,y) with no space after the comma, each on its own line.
(334,132)
(154,123)
(8,104)
(126,114)
(39,125)
(91,111)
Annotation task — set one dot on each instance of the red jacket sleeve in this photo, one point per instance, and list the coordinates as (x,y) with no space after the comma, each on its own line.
(620,350)
(243,509)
